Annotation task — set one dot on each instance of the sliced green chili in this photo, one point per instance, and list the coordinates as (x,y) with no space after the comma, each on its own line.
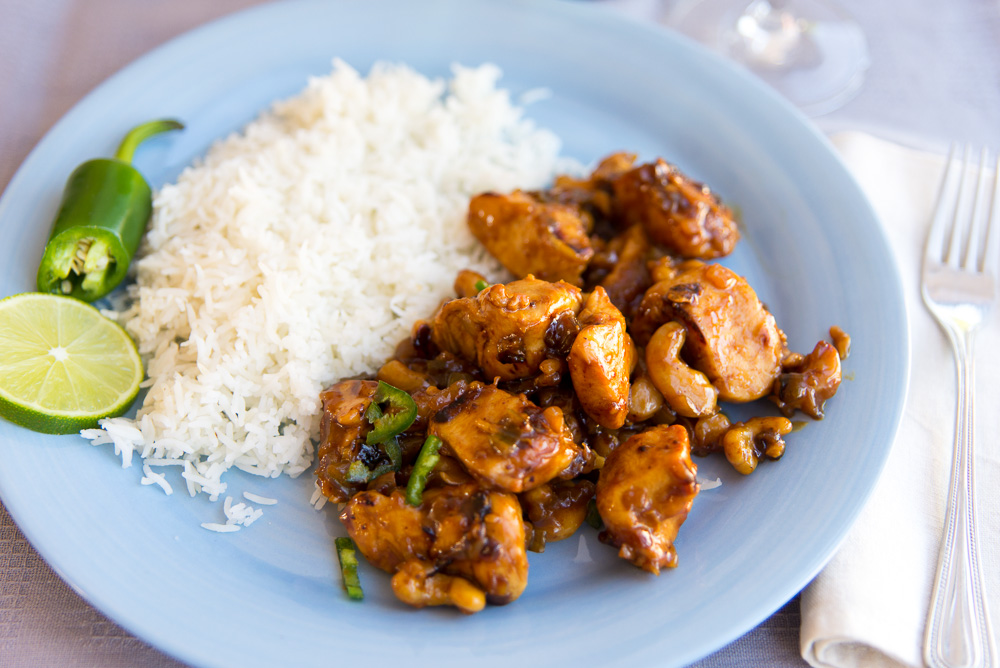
(399,413)
(426,461)
(348,557)
(103,214)
(358,471)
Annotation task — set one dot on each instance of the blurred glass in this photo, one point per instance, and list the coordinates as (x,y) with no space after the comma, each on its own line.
(811,51)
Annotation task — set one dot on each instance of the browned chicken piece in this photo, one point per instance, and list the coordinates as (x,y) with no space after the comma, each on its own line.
(493,546)
(556,510)
(731,337)
(809,383)
(600,361)
(613,166)
(462,546)
(548,240)
(431,400)
(505,441)
(644,494)
(677,212)
(343,428)
(593,195)
(509,330)
(386,529)
(629,277)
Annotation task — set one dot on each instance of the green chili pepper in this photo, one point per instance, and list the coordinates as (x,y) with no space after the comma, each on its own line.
(102,217)
(399,414)
(347,555)
(426,461)
(358,471)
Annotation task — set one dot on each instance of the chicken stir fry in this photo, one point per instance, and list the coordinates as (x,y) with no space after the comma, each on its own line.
(578,391)
(644,493)
(463,546)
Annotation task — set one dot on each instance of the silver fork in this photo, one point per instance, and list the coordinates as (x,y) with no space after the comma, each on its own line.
(959,285)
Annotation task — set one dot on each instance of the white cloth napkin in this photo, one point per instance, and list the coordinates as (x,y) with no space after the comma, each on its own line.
(869,605)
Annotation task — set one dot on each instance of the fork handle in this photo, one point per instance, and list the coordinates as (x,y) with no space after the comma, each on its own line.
(958,633)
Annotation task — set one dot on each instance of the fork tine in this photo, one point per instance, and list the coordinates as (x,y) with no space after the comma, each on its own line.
(978,218)
(991,244)
(961,212)
(935,249)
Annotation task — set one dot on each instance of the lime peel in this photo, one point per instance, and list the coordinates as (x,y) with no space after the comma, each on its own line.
(48,384)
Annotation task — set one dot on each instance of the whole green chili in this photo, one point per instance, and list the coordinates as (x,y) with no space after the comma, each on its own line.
(103,214)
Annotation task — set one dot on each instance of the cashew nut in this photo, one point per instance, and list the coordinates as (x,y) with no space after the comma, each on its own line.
(685,390)
(644,399)
(414,584)
(745,442)
(708,433)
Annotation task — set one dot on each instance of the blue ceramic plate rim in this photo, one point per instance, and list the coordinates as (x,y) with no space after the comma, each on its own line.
(647,621)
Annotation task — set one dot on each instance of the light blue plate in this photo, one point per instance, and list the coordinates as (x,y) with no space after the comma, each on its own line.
(270,595)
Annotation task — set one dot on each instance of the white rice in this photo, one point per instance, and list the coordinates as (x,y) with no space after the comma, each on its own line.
(237,516)
(262,500)
(300,251)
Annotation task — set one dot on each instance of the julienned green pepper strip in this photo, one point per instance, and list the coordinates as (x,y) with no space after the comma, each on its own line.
(400,413)
(426,461)
(102,217)
(348,557)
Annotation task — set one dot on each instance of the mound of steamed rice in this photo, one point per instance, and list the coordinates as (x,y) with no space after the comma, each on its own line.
(301,251)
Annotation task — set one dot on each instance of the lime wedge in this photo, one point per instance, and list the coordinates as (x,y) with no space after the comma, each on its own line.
(63,366)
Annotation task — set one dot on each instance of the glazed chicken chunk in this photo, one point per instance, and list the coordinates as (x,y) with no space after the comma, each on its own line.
(546,239)
(600,361)
(593,196)
(505,441)
(730,336)
(508,330)
(629,276)
(343,428)
(678,213)
(644,494)
(463,546)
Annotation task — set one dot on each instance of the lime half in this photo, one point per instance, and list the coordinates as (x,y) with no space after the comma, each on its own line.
(63,366)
